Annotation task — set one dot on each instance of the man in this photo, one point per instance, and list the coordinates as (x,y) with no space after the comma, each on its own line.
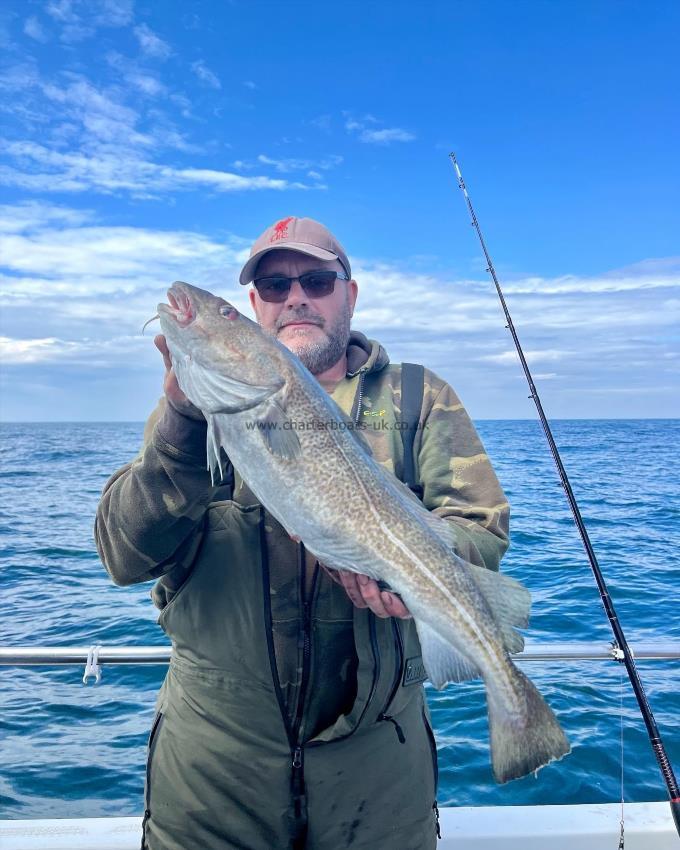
(293,713)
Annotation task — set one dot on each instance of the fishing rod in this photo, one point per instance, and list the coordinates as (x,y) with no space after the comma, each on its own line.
(626,655)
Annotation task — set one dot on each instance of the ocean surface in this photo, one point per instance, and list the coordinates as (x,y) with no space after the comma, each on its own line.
(69,750)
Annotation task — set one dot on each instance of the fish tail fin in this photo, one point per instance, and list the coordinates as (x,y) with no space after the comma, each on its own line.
(526,736)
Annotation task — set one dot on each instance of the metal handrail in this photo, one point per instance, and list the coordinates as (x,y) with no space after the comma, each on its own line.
(63,655)
(21,656)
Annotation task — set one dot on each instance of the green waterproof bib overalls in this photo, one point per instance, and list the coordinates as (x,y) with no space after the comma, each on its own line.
(231,764)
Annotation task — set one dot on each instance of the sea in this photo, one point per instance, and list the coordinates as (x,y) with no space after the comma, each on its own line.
(74,750)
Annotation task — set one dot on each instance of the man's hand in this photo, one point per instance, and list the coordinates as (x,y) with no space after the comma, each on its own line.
(173,393)
(365,593)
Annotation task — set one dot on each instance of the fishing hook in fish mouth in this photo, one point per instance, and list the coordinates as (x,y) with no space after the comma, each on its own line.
(152,319)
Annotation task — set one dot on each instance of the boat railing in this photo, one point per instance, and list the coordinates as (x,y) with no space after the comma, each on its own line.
(93,657)
(566,827)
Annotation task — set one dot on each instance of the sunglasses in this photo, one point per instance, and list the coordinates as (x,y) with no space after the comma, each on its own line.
(315,285)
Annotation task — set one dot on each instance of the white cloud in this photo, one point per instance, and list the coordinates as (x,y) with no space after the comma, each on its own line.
(80,19)
(629,391)
(183,102)
(625,280)
(511,357)
(151,44)
(374,135)
(77,292)
(652,265)
(603,327)
(322,122)
(205,75)
(101,112)
(109,13)
(104,254)
(352,123)
(85,352)
(61,10)
(19,77)
(19,351)
(111,170)
(109,140)
(140,78)
(249,84)
(34,29)
(32,216)
(80,294)
(146,83)
(287,165)
(386,136)
(224,181)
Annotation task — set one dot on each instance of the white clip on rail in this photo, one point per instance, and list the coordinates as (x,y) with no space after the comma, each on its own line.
(92,667)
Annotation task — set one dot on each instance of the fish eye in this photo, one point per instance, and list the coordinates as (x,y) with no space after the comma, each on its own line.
(228,311)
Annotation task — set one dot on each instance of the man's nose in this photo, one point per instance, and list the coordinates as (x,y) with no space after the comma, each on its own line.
(296,296)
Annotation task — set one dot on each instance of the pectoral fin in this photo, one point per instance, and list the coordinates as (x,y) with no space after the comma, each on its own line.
(278,433)
(216,453)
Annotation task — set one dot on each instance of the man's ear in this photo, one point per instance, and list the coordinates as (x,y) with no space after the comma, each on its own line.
(352,292)
(253,301)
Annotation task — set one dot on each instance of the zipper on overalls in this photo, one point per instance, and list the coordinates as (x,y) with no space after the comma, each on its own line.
(296,745)
(435,768)
(397,633)
(399,652)
(435,808)
(305,644)
(298,764)
(150,747)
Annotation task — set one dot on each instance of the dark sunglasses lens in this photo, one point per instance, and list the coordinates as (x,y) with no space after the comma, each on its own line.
(273,288)
(318,284)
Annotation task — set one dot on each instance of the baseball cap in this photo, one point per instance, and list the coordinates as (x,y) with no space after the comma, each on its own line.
(295,234)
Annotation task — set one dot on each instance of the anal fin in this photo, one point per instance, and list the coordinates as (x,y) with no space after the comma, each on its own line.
(442,661)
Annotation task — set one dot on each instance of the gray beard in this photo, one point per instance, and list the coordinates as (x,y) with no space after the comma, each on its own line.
(321,355)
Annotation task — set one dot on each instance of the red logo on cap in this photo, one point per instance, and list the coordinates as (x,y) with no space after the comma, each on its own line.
(281,229)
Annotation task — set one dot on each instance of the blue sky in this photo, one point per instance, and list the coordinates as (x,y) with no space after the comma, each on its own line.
(143,143)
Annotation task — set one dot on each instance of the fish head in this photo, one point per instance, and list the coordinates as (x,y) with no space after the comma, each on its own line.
(195,321)
(222,359)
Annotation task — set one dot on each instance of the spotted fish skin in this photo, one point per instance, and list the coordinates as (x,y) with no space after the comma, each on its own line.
(303,459)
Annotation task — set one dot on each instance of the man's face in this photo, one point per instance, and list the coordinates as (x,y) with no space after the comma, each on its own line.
(316,329)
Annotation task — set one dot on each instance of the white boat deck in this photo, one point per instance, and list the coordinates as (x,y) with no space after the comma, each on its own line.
(648,826)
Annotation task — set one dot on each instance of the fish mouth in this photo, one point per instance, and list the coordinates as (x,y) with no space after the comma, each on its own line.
(180,307)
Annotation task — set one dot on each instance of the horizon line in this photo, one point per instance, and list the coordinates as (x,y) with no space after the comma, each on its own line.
(478,419)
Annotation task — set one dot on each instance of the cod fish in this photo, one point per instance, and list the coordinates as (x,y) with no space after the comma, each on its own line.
(323,486)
